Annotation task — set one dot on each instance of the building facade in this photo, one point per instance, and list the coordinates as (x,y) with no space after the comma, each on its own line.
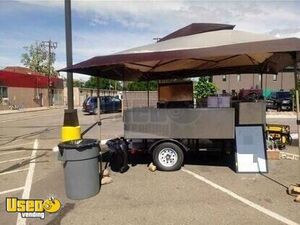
(270,82)
(27,89)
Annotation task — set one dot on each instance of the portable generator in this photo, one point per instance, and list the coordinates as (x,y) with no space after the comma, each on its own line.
(278,135)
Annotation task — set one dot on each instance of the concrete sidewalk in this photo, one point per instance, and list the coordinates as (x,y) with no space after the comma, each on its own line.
(10,111)
(281,114)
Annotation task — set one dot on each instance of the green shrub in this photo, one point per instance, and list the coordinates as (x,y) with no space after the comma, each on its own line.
(204,88)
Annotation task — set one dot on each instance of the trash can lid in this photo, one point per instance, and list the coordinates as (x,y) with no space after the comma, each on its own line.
(77,144)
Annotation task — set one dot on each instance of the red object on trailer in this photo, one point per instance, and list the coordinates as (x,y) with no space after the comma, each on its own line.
(250,94)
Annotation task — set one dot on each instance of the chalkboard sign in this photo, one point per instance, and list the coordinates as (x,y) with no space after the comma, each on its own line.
(250,149)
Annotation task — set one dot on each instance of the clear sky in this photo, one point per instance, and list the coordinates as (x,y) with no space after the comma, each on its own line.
(107,26)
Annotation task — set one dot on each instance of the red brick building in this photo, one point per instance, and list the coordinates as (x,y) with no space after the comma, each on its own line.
(24,88)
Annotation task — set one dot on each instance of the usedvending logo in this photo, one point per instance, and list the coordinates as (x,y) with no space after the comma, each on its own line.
(32,208)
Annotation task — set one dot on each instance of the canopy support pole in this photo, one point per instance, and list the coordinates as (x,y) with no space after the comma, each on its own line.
(297,105)
(148,102)
(261,81)
(99,108)
(266,82)
(295,71)
(228,83)
(122,101)
(297,97)
(124,96)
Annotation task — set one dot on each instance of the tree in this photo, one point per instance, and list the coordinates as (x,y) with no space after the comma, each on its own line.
(37,57)
(103,83)
(78,83)
(112,84)
(204,88)
(141,86)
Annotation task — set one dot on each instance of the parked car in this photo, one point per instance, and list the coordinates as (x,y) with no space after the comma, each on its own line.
(281,100)
(107,104)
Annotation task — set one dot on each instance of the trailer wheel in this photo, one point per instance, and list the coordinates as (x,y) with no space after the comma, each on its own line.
(168,156)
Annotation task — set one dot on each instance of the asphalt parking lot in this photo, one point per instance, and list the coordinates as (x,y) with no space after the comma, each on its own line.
(199,193)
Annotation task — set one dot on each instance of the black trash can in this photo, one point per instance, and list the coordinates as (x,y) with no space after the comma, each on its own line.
(81,167)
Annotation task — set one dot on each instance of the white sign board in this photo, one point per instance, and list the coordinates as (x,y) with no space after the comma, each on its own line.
(250,149)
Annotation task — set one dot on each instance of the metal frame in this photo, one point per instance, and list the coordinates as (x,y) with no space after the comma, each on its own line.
(265,148)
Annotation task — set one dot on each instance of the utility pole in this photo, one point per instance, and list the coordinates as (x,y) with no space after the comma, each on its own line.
(50,45)
(157,39)
(297,96)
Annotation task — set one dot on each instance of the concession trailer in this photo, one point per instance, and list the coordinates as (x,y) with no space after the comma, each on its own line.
(177,125)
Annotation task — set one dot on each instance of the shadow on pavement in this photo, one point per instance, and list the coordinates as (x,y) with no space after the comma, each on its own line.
(273,180)
(23,136)
(24,163)
(206,158)
(294,142)
(68,207)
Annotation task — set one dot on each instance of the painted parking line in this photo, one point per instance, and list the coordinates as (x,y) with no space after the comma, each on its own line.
(13,171)
(29,179)
(11,190)
(13,160)
(242,199)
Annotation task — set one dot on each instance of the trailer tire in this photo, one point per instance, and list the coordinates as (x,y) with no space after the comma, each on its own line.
(168,156)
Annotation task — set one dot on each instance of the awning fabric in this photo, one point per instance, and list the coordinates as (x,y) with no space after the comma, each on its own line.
(196,50)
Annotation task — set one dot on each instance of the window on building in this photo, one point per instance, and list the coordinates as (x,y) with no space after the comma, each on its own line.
(275,77)
(259,77)
(224,78)
(3,92)
(238,77)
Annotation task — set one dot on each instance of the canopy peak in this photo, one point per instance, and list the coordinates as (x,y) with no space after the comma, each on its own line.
(197,28)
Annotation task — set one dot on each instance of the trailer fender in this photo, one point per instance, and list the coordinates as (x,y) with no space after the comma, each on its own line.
(182,146)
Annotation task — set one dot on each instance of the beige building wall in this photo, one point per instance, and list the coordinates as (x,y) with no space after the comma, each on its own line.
(58,97)
(135,99)
(283,80)
(32,97)
(76,96)
(27,97)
